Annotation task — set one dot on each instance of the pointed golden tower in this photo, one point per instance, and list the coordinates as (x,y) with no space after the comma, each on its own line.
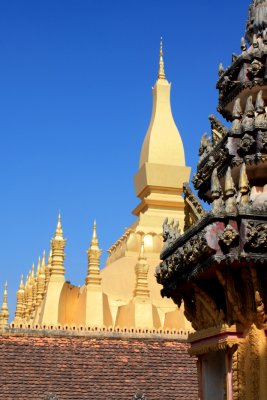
(57,260)
(4,315)
(139,312)
(93,253)
(162,169)
(41,281)
(34,285)
(159,186)
(30,282)
(48,269)
(20,303)
(97,311)
(49,314)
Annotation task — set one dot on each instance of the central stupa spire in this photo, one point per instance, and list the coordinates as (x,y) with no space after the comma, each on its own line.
(162,160)
(161,74)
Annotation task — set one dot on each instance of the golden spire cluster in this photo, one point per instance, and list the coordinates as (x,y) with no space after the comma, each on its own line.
(161,73)
(31,294)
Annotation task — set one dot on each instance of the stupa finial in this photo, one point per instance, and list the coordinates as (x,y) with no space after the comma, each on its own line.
(59,231)
(161,73)
(94,241)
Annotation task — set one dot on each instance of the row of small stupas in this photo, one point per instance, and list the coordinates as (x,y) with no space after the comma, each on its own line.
(125,294)
(218,266)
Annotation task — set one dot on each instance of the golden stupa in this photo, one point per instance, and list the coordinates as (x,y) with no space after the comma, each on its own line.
(124,294)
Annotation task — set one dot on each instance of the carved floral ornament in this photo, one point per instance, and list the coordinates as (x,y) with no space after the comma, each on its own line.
(257,236)
(229,236)
(246,143)
(256,67)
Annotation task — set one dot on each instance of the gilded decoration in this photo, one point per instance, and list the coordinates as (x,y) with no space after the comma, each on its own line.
(229,236)
(256,236)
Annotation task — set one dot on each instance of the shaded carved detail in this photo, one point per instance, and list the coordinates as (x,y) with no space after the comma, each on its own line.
(190,311)
(262,140)
(218,130)
(230,193)
(216,193)
(216,159)
(207,312)
(171,232)
(243,187)
(193,252)
(196,249)
(251,364)
(260,309)
(232,299)
(260,119)
(193,208)
(257,20)
(240,371)
(205,147)
(247,295)
(256,69)
(236,116)
(246,144)
(229,237)
(248,118)
(256,236)
(261,316)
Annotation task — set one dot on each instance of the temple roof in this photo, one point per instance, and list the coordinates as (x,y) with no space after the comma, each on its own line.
(100,366)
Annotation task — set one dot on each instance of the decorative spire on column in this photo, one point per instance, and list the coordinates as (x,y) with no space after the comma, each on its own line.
(20,302)
(141,271)
(48,269)
(161,73)
(41,281)
(57,245)
(93,253)
(29,293)
(34,285)
(4,315)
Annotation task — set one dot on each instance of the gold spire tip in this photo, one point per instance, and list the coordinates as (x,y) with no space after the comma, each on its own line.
(59,231)
(94,241)
(43,259)
(21,285)
(161,73)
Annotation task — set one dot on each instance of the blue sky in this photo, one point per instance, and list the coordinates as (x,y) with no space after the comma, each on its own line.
(75,101)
